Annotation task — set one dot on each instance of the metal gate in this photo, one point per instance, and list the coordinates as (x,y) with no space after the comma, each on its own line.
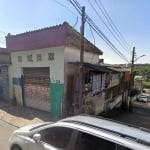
(36,88)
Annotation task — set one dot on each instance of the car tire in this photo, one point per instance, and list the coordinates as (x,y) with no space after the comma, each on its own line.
(16,147)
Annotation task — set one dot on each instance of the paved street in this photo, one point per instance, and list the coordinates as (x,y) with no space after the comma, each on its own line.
(5,132)
(139,115)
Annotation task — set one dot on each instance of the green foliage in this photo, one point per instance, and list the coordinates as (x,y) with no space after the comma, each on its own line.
(134,91)
(146,85)
(142,70)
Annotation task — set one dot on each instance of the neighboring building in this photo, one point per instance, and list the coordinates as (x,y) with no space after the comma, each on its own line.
(4,70)
(40,66)
(109,89)
(138,82)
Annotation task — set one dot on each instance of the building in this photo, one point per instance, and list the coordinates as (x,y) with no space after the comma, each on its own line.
(39,69)
(4,72)
(45,73)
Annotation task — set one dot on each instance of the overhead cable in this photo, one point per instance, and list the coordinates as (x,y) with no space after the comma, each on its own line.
(97,30)
(116,37)
(112,24)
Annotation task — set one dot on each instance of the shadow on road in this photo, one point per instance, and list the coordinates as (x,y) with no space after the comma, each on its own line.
(138,116)
(26,113)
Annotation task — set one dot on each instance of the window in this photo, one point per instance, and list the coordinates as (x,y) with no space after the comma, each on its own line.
(89,142)
(29,58)
(58,137)
(39,57)
(50,56)
(19,58)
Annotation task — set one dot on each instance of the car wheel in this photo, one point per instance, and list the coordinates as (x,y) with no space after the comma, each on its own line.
(16,147)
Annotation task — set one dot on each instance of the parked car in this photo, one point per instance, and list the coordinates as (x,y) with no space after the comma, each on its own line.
(81,132)
(142,98)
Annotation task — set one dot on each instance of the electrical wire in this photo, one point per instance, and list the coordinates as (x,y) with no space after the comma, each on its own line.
(112,24)
(106,40)
(116,37)
(92,34)
(58,2)
(98,31)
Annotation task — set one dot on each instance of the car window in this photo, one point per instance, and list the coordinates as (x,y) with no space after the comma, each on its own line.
(89,142)
(58,137)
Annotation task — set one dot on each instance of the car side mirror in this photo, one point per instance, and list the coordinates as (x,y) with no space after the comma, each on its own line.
(37,137)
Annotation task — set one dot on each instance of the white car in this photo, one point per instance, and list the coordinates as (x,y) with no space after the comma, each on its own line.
(81,132)
(142,98)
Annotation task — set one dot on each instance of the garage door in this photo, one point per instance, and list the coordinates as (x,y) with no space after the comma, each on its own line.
(36,88)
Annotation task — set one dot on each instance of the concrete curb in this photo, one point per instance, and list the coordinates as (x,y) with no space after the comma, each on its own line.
(21,116)
(17,121)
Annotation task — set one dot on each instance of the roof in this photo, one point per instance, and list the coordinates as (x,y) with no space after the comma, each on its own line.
(94,67)
(55,36)
(4,51)
(138,77)
(124,130)
(99,68)
(115,67)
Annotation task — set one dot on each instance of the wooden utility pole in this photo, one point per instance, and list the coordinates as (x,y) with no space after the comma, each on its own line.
(132,61)
(82,36)
(82,58)
(131,79)
(132,71)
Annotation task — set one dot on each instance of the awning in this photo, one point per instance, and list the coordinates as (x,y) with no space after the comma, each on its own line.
(99,68)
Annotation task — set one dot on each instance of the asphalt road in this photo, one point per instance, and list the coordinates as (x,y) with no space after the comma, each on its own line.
(138,116)
(5,132)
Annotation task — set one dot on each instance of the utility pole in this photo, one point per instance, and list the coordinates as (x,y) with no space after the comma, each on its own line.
(131,76)
(132,61)
(82,36)
(82,58)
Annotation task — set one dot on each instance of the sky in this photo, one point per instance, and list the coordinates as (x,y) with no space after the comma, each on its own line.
(131,17)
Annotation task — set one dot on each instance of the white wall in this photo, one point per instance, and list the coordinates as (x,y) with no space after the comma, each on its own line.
(73,55)
(56,65)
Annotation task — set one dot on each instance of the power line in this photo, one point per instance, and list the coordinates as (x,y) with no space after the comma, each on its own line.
(116,37)
(103,36)
(78,8)
(112,24)
(98,31)
(92,34)
(58,2)
(106,40)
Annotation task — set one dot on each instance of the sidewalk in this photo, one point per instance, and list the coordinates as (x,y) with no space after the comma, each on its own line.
(20,116)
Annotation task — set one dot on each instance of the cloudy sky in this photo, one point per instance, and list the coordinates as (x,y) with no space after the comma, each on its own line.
(131,17)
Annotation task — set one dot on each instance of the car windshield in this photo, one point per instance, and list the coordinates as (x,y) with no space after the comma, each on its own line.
(143,96)
(40,126)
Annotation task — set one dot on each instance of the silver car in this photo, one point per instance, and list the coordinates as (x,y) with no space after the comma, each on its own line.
(142,98)
(81,132)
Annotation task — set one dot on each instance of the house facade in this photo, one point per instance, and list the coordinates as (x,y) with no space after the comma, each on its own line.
(4,72)
(39,66)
